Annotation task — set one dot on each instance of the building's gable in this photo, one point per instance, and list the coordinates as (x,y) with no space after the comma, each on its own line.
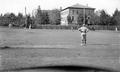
(75,11)
(78,6)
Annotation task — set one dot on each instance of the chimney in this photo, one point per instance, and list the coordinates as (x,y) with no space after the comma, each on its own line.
(60,8)
(87,5)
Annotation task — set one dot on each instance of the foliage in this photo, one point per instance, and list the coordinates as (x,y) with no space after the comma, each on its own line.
(101,18)
(20,19)
(45,17)
(38,16)
(11,18)
(104,18)
(41,16)
(54,17)
(95,19)
(80,19)
(116,18)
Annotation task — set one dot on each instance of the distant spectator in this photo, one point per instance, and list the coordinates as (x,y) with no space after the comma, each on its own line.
(116,29)
(10,25)
(30,26)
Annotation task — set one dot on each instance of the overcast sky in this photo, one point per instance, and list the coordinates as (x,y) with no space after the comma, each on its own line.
(17,6)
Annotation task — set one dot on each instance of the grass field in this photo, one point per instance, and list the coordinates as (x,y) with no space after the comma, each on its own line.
(40,47)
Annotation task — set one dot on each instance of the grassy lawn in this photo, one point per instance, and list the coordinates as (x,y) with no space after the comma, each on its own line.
(40,47)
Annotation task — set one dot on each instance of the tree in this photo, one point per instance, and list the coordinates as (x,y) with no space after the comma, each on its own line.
(16,20)
(95,19)
(104,18)
(7,18)
(80,19)
(4,20)
(54,17)
(20,15)
(20,19)
(12,17)
(38,16)
(116,18)
(45,17)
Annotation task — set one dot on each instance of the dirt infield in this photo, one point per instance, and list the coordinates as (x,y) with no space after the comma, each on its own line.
(36,47)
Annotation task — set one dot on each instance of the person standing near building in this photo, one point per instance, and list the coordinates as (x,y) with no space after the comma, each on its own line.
(83,31)
(10,25)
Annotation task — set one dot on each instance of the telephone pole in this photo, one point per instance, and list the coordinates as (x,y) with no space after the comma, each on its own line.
(25,11)
(25,18)
(84,15)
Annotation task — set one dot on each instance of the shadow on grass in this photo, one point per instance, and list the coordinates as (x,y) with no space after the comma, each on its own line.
(66,68)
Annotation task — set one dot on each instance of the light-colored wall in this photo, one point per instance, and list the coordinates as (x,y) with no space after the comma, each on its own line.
(67,12)
(64,15)
(88,12)
(75,14)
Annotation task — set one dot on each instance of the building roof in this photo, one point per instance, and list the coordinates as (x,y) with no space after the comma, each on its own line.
(79,6)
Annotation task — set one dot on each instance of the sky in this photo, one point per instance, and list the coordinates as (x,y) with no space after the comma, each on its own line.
(18,6)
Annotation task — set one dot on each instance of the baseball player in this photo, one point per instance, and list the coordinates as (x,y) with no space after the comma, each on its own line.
(83,31)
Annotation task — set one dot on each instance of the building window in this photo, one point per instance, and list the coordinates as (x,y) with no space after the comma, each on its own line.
(77,12)
(72,11)
(89,11)
(72,18)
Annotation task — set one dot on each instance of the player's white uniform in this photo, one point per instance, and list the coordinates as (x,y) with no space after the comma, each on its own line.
(83,31)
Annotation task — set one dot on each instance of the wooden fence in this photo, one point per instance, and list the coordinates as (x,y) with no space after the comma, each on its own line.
(75,27)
